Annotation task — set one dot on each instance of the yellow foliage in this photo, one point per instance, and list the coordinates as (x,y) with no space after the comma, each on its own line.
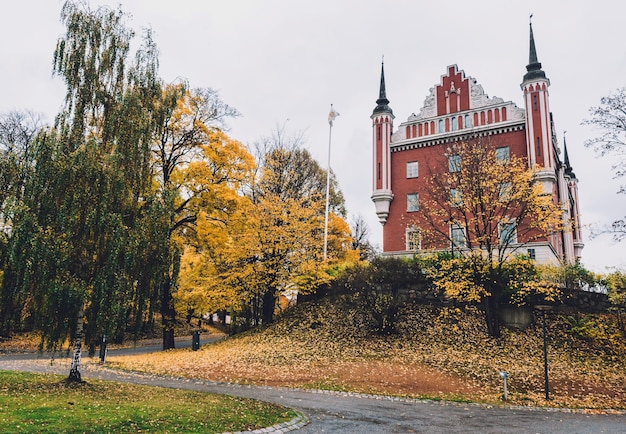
(473,277)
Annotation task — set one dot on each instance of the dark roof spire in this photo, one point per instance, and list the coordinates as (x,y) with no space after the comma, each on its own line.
(382,101)
(534,66)
(568,168)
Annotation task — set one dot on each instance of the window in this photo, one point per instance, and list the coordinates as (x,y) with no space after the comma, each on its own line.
(502,154)
(454,163)
(413,239)
(467,121)
(411,169)
(456,198)
(454,123)
(412,202)
(441,128)
(457,235)
(508,233)
(505,192)
(532,254)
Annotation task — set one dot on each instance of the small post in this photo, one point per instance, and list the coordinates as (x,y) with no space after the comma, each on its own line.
(195,340)
(103,350)
(543,309)
(504,377)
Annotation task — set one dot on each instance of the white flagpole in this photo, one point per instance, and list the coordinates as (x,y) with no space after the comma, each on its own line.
(331,117)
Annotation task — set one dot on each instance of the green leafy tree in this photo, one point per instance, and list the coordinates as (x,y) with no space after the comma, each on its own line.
(74,239)
(17,133)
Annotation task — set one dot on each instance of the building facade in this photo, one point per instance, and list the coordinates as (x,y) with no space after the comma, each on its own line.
(457,109)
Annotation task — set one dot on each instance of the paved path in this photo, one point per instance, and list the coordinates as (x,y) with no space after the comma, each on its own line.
(358,414)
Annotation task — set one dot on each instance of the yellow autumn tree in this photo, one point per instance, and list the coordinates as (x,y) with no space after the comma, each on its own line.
(213,189)
(268,241)
(486,205)
(285,243)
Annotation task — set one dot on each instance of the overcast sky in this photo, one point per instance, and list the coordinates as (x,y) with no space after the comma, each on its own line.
(283,62)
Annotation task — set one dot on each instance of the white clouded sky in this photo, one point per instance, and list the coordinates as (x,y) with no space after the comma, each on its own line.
(275,60)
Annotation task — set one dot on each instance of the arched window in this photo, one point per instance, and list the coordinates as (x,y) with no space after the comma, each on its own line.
(441,128)
(467,122)
(454,124)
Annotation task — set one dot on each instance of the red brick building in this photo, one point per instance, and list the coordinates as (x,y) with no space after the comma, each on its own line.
(455,110)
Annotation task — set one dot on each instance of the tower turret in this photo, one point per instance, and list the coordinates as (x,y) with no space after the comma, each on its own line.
(574,245)
(540,147)
(382,128)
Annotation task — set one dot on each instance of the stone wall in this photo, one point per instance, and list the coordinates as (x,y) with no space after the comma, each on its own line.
(585,301)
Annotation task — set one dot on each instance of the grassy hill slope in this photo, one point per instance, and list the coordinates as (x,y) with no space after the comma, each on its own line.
(438,352)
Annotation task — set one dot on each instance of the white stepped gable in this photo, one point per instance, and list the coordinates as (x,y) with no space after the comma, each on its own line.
(478,99)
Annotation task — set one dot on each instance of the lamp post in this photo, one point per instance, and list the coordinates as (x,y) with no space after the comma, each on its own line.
(543,308)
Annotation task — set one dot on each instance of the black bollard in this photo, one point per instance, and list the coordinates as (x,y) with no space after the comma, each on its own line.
(195,340)
(103,350)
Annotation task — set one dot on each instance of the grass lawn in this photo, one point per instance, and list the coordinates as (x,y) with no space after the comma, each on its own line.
(39,403)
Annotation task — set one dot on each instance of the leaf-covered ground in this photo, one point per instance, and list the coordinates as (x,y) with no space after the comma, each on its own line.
(441,353)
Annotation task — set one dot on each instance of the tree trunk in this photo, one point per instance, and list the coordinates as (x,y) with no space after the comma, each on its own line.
(269,304)
(78,340)
(168,313)
(492,316)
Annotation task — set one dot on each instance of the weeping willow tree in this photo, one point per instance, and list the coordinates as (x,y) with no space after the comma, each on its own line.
(80,265)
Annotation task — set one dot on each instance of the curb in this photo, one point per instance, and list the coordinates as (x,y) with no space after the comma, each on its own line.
(294,424)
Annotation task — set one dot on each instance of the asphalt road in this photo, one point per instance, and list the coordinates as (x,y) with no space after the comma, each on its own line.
(342,413)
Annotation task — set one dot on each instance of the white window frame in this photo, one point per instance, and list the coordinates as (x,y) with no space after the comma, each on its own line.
(412,169)
(454,163)
(412,202)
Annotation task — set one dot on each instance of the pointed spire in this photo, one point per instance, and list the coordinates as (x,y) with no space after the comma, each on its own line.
(534,66)
(382,101)
(568,168)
